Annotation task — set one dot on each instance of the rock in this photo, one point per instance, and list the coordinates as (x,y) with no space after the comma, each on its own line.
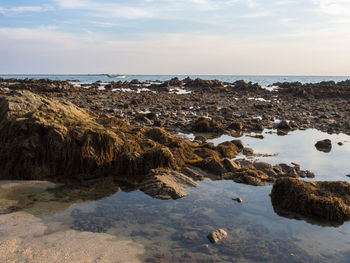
(250,176)
(239,145)
(52,139)
(212,165)
(284,125)
(248,151)
(227,149)
(340,143)
(217,235)
(325,200)
(236,126)
(207,125)
(230,165)
(192,173)
(266,168)
(324,145)
(201,139)
(239,200)
(257,136)
(166,184)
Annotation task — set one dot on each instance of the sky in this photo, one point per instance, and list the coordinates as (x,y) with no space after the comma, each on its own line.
(250,37)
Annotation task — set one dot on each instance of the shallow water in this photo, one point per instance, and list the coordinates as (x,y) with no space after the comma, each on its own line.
(176,230)
(298,147)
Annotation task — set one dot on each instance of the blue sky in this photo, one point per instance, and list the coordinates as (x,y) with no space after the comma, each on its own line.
(294,37)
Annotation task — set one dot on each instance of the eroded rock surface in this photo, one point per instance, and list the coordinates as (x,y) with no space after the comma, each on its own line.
(325,200)
(166,184)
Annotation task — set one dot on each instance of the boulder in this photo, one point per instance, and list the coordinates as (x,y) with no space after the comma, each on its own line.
(324,200)
(48,139)
(324,145)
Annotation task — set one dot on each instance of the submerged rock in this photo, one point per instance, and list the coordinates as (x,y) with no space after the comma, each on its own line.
(166,184)
(325,200)
(217,235)
(324,145)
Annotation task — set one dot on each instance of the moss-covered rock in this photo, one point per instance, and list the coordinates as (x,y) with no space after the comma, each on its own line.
(203,124)
(325,200)
(43,138)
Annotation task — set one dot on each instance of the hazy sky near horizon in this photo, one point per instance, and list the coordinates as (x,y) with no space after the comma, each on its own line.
(285,37)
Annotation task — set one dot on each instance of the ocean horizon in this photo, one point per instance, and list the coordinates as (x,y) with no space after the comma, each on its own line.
(263,80)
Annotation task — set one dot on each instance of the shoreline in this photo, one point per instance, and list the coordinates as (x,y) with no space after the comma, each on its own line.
(129,132)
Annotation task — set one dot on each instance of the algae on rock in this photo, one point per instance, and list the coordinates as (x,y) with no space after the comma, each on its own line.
(325,200)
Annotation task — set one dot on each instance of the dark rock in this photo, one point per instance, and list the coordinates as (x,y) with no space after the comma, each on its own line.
(236,125)
(238,200)
(207,125)
(284,125)
(324,145)
(202,139)
(239,145)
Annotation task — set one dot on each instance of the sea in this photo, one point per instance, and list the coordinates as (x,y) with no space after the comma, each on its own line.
(263,80)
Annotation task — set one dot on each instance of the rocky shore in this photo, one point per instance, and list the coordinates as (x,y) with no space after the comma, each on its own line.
(127,132)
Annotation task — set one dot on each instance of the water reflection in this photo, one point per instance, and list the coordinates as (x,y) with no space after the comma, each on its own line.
(175,231)
(298,147)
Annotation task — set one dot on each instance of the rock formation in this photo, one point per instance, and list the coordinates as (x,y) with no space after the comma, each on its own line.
(325,200)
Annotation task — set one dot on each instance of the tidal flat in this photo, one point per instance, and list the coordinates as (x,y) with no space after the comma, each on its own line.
(103,216)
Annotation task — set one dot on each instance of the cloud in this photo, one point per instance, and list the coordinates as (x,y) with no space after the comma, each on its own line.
(333,7)
(107,9)
(47,50)
(22,9)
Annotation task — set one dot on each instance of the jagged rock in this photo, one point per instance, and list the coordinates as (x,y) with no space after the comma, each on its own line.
(230,165)
(236,125)
(239,144)
(51,139)
(250,176)
(227,149)
(166,184)
(192,173)
(324,145)
(326,200)
(212,165)
(217,235)
(206,125)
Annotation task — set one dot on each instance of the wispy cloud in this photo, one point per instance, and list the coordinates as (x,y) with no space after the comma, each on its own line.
(107,9)
(333,7)
(22,9)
